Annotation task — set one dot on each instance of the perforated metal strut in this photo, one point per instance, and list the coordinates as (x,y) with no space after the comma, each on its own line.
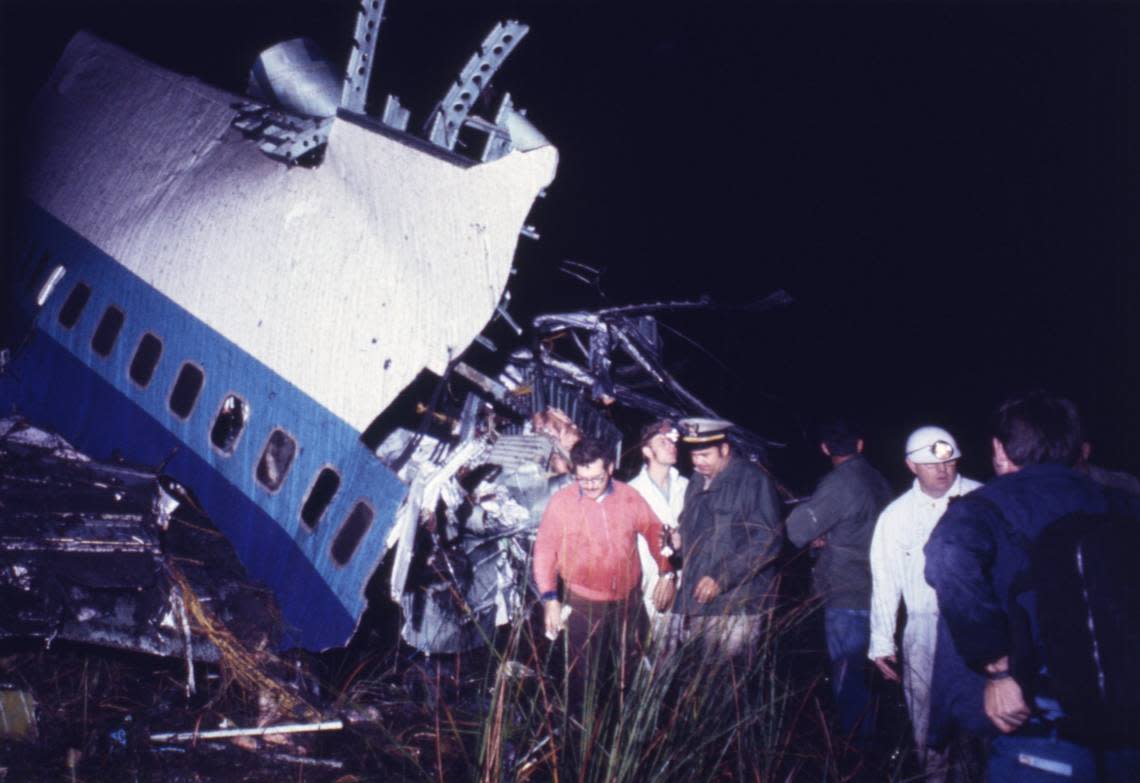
(451,113)
(359,71)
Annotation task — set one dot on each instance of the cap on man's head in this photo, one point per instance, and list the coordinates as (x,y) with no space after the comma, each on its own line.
(666,427)
(704,432)
(930,445)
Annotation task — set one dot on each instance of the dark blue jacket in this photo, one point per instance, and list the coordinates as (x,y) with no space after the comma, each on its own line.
(973,558)
(731,532)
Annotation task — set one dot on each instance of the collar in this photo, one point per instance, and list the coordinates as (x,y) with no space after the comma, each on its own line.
(670,478)
(855,459)
(609,490)
(716,481)
(954,491)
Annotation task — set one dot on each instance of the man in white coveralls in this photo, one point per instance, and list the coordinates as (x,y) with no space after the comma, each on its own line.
(897,564)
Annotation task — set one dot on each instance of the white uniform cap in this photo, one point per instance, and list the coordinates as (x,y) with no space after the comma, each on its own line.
(930,445)
(700,431)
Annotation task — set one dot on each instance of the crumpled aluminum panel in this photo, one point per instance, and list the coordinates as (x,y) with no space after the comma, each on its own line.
(308,270)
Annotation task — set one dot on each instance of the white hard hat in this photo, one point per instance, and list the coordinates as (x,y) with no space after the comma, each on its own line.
(929,445)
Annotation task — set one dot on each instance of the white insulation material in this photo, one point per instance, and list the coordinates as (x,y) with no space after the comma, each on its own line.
(346,279)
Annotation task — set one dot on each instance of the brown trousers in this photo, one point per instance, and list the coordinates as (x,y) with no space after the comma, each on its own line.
(604,643)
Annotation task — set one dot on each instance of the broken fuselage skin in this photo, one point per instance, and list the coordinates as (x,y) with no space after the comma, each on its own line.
(185,300)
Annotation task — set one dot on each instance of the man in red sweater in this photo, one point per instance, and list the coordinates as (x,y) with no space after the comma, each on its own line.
(588,537)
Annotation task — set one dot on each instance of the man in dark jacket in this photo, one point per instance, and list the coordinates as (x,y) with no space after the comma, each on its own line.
(839,520)
(730,538)
(978,562)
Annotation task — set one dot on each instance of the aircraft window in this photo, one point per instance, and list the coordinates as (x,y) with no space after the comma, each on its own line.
(229,423)
(351,532)
(38,271)
(276,460)
(146,359)
(186,389)
(324,488)
(73,307)
(108,331)
(50,284)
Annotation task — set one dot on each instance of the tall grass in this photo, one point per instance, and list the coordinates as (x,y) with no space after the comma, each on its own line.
(680,716)
(509,712)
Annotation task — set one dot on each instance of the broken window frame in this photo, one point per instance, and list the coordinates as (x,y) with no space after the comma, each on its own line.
(261,459)
(49,286)
(245,415)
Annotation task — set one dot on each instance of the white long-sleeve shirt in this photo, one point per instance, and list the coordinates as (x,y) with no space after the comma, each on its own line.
(666,504)
(897,561)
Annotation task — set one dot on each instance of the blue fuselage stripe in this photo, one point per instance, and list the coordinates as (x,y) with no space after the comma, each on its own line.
(60,381)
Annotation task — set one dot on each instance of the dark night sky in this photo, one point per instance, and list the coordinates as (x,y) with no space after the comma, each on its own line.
(949,192)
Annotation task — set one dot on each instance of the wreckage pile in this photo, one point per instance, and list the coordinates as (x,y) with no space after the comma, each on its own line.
(480,466)
(115,555)
(106,567)
(107,564)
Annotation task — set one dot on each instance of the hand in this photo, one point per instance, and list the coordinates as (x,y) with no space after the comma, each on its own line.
(552,617)
(886,666)
(818,543)
(664,592)
(1004,703)
(675,539)
(706,590)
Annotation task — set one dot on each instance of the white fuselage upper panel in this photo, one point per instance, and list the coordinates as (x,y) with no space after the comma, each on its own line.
(346,279)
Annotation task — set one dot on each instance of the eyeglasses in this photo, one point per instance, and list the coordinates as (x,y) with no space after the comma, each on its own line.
(939,449)
(592,481)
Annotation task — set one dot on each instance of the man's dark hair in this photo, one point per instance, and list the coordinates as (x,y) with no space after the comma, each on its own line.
(1039,428)
(654,428)
(840,436)
(590,450)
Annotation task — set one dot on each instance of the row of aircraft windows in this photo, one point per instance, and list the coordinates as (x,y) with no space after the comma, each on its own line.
(229,423)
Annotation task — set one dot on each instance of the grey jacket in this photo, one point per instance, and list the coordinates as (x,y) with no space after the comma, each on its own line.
(731,532)
(843,507)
